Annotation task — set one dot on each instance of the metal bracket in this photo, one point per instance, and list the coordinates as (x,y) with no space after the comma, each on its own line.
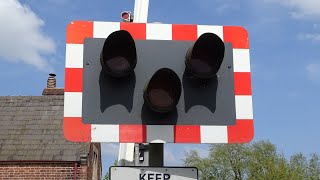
(142,149)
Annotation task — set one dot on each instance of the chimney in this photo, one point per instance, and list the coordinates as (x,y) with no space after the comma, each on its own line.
(51,83)
(51,88)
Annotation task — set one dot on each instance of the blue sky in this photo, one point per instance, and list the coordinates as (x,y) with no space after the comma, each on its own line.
(285,56)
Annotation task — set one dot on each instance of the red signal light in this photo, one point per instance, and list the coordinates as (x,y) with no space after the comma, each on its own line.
(126,16)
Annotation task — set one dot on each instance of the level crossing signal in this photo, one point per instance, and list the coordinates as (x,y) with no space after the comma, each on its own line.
(138,82)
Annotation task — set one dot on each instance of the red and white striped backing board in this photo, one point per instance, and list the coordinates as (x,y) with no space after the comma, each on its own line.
(75,130)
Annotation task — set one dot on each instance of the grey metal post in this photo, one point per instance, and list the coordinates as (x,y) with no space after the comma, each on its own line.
(156,154)
(149,155)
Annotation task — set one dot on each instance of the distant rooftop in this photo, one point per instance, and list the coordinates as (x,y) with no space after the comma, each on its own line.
(31,128)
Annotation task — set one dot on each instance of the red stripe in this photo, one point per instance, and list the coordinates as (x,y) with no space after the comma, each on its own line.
(77,31)
(75,131)
(236,35)
(137,30)
(184,32)
(73,79)
(187,134)
(132,133)
(242,132)
(242,83)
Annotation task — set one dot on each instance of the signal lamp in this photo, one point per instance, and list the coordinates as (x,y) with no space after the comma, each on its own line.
(119,57)
(204,59)
(163,91)
(126,16)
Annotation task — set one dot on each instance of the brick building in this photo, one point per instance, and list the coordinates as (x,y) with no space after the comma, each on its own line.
(32,145)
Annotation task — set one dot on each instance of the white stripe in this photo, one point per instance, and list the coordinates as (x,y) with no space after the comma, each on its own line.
(241,60)
(244,107)
(214,134)
(74,56)
(160,133)
(218,30)
(159,32)
(73,104)
(104,29)
(104,133)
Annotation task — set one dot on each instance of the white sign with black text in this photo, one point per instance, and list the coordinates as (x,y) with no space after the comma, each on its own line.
(153,173)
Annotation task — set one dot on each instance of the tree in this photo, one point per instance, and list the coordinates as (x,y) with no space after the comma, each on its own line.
(224,162)
(298,167)
(230,161)
(314,167)
(203,165)
(255,161)
(265,163)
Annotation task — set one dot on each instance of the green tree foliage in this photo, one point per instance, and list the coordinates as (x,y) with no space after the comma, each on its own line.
(255,161)
(314,167)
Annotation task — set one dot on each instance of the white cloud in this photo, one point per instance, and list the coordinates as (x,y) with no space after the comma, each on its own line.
(301,9)
(172,159)
(203,150)
(316,26)
(217,6)
(110,149)
(310,36)
(313,71)
(21,37)
(174,154)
